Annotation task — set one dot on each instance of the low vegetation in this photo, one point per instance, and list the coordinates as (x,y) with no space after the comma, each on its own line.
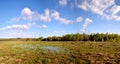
(67,49)
(44,52)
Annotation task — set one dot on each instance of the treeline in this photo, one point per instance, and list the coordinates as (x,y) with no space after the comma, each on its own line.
(73,37)
(83,37)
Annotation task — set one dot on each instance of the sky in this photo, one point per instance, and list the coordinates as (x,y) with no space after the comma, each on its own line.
(36,18)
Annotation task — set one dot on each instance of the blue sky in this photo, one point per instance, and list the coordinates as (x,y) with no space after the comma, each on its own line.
(35,18)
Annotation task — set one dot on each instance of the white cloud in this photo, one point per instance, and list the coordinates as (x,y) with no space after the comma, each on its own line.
(43,26)
(26,14)
(63,2)
(16,19)
(87,21)
(79,19)
(83,6)
(105,8)
(30,24)
(115,9)
(96,6)
(20,34)
(56,16)
(114,13)
(29,15)
(65,21)
(45,17)
(18,27)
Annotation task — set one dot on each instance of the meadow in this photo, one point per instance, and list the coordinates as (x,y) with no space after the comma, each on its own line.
(59,52)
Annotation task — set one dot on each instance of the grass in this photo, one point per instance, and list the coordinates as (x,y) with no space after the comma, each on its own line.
(40,52)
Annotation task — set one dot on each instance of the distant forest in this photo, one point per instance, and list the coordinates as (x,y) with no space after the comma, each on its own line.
(74,37)
(83,37)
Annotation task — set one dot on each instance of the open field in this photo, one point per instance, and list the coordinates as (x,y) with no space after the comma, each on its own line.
(40,52)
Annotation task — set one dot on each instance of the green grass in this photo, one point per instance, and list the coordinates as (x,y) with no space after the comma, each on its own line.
(40,52)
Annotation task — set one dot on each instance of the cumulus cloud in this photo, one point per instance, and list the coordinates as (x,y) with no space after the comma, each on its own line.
(28,14)
(65,21)
(19,34)
(63,2)
(115,9)
(57,17)
(87,21)
(18,27)
(43,26)
(96,6)
(114,12)
(105,8)
(79,19)
(45,17)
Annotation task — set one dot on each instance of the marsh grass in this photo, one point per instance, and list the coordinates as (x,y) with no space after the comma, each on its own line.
(40,52)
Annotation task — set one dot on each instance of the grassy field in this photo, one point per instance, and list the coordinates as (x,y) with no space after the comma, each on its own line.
(40,52)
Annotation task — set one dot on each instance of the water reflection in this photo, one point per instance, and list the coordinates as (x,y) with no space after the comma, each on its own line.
(37,47)
(51,48)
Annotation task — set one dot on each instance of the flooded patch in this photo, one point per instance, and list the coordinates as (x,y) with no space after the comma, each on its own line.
(53,49)
(37,47)
(27,47)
